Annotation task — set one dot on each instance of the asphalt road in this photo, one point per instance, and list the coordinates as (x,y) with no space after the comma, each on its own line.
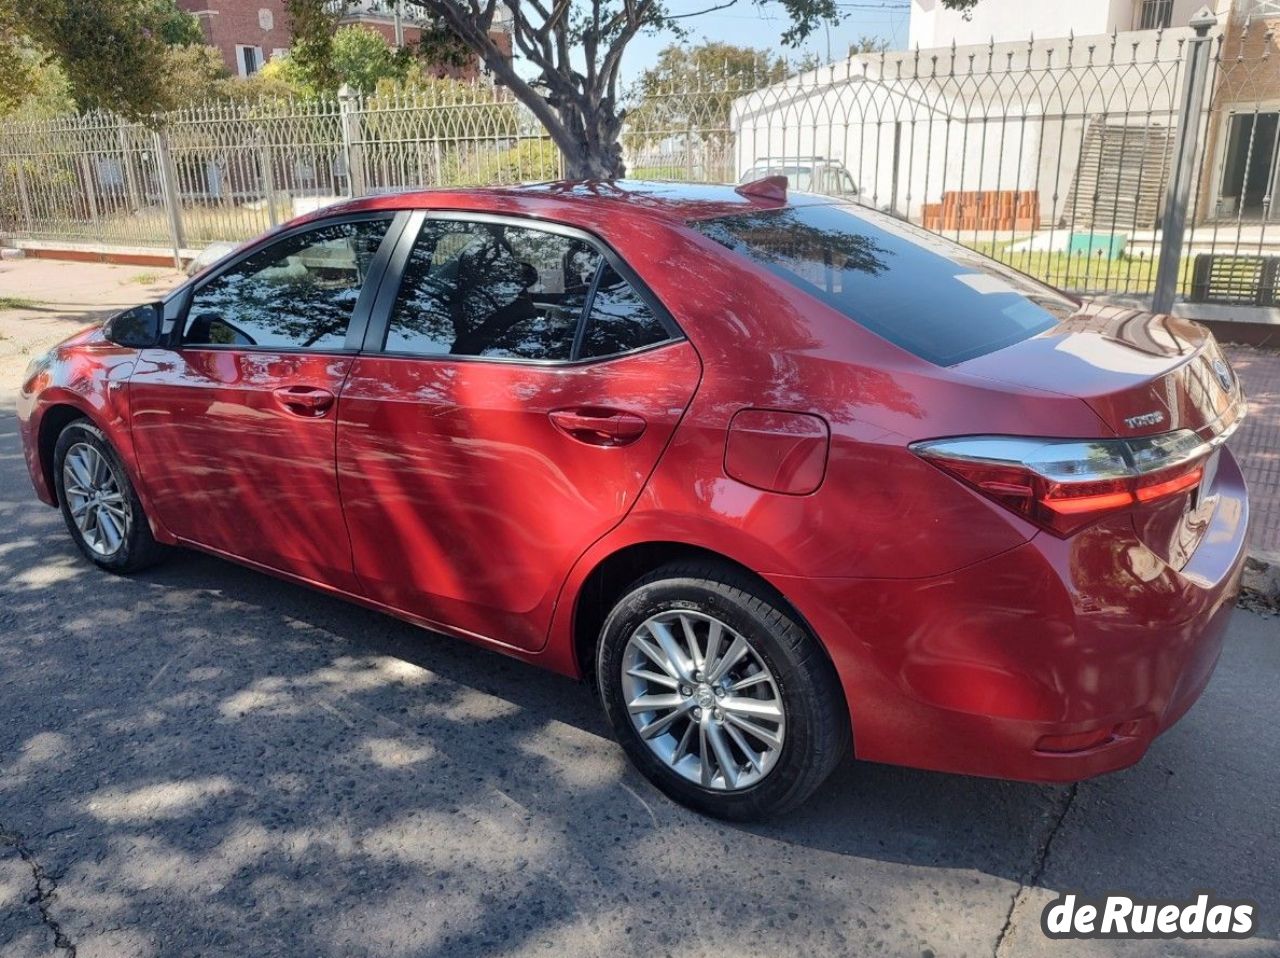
(206,761)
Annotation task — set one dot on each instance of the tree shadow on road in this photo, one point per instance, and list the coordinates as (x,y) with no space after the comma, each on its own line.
(205,760)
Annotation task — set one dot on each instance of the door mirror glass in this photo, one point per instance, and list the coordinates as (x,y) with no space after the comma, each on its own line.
(138,327)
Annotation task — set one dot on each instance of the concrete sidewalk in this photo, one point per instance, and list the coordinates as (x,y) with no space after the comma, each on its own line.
(45,301)
(42,301)
(1257,444)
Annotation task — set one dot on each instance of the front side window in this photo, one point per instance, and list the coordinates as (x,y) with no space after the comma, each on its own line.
(298,293)
(492,290)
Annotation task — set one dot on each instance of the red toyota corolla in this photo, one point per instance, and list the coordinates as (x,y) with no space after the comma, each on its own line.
(784,475)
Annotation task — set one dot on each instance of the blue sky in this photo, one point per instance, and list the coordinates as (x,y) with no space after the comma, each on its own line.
(761,26)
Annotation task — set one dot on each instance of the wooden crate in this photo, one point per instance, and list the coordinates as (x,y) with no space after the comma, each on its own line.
(984,210)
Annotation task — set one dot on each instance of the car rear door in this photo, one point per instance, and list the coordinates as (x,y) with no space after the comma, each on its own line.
(235,424)
(515,392)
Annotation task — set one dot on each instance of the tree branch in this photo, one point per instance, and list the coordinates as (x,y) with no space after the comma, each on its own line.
(468,30)
(698,13)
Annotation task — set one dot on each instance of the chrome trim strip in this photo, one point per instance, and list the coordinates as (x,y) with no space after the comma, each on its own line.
(1008,450)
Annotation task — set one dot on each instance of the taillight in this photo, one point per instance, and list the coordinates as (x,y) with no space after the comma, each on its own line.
(1066,484)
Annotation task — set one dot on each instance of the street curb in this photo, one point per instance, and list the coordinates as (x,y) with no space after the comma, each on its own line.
(1260,583)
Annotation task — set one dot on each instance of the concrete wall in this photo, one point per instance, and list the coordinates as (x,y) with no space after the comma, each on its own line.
(933,25)
(973,119)
(866,125)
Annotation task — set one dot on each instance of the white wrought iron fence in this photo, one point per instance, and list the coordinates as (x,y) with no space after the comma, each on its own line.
(456,134)
(1068,158)
(227,171)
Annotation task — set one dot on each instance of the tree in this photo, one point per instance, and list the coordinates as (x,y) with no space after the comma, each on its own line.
(576,47)
(327,54)
(690,90)
(33,88)
(866,44)
(313,24)
(112,53)
(354,56)
(194,74)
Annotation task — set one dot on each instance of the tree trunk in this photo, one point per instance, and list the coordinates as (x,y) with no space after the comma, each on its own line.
(593,151)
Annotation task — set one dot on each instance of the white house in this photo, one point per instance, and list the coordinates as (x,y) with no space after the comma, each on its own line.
(979,125)
(933,25)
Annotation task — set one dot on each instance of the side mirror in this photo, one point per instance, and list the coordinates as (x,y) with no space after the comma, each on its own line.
(138,327)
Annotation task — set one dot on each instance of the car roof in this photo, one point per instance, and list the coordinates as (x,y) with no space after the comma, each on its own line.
(571,202)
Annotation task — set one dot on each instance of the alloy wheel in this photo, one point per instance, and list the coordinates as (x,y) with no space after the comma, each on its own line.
(95,499)
(703,700)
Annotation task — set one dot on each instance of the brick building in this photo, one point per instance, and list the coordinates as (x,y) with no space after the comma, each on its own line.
(250,32)
(1242,173)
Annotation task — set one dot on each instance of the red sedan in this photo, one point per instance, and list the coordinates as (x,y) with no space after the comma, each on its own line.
(785,476)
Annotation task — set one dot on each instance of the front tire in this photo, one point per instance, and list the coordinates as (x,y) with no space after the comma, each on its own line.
(98,502)
(718,695)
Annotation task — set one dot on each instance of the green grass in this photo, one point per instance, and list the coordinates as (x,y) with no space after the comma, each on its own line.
(145,279)
(658,173)
(680,172)
(17,302)
(1133,275)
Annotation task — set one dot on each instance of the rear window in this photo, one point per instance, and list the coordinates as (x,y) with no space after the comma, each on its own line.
(935,298)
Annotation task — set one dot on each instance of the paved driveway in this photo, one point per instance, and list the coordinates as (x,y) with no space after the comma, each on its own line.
(206,761)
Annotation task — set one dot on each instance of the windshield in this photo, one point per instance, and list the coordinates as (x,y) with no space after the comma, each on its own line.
(937,299)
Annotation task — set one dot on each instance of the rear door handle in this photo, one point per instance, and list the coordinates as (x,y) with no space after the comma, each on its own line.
(309,401)
(598,427)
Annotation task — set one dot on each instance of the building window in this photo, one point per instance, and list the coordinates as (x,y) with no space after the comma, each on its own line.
(1155,14)
(1249,168)
(248,59)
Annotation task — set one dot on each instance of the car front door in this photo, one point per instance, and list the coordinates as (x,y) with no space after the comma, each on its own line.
(510,404)
(234,426)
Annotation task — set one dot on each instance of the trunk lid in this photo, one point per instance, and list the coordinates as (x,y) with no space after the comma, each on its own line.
(1142,374)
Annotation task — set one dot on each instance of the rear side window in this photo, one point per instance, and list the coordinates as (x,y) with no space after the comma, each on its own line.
(939,300)
(493,290)
(619,320)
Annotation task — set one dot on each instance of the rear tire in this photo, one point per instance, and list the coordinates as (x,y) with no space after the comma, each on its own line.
(98,502)
(742,741)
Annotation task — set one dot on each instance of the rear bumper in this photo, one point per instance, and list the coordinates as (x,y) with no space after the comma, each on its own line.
(1055,661)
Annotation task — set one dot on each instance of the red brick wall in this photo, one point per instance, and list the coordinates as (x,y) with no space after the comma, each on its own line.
(230,22)
(227,23)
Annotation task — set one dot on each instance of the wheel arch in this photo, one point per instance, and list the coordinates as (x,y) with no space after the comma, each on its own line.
(53,421)
(604,585)
(55,415)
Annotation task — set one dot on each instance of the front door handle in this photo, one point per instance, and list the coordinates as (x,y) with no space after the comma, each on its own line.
(308,401)
(598,427)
